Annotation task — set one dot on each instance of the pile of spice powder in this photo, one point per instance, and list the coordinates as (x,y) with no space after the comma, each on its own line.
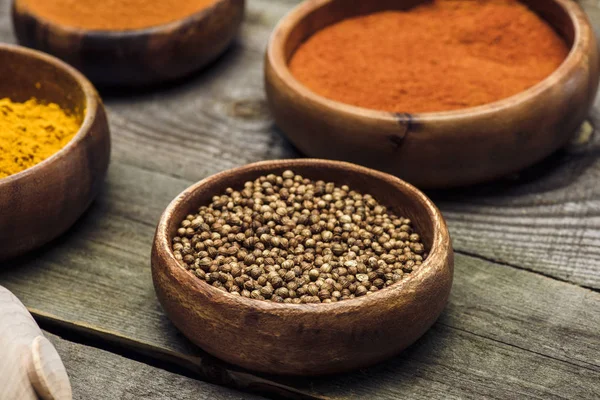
(114,14)
(288,239)
(439,56)
(30,132)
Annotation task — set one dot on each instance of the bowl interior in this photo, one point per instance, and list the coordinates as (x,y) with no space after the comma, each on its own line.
(28,74)
(400,198)
(334,11)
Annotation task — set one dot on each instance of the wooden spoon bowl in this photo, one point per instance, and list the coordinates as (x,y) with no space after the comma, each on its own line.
(135,57)
(40,203)
(440,149)
(306,339)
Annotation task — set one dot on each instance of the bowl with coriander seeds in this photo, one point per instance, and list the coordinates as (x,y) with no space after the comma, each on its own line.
(302,267)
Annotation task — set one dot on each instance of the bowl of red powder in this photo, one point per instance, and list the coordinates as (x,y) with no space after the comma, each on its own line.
(130,42)
(441,93)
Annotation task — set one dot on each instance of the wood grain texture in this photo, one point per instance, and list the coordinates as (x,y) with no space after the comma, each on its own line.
(505,333)
(136,57)
(545,219)
(100,375)
(513,322)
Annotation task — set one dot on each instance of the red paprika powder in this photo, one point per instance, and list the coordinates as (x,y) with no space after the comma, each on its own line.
(442,55)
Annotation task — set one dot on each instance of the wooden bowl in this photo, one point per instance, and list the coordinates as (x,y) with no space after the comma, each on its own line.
(438,149)
(306,339)
(40,203)
(135,57)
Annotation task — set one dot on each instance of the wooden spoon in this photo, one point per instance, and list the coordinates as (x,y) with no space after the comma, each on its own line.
(30,367)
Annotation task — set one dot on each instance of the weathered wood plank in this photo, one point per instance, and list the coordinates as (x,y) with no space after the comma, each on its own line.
(476,348)
(500,323)
(451,362)
(504,332)
(97,374)
(547,219)
(213,121)
(434,368)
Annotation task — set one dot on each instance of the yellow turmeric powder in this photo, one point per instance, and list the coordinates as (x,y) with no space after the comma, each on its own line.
(30,132)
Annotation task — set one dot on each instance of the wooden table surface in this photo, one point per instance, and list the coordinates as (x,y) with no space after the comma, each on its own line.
(524,314)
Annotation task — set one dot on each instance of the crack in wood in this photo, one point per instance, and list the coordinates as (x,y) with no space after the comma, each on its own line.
(506,264)
(525,349)
(205,368)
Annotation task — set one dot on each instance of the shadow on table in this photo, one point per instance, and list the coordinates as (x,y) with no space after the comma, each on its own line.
(554,173)
(206,74)
(414,368)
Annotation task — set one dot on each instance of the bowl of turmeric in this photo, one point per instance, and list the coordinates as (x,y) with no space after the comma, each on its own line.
(440,93)
(54,148)
(129,43)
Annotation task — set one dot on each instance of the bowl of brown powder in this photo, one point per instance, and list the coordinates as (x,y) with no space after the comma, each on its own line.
(54,148)
(302,267)
(441,93)
(132,42)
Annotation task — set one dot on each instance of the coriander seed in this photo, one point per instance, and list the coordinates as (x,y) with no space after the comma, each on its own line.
(289,239)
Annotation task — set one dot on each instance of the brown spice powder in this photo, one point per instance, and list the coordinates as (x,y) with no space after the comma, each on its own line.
(439,56)
(114,14)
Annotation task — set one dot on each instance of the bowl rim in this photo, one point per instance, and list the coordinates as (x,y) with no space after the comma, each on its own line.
(92,104)
(439,254)
(276,60)
(167,27)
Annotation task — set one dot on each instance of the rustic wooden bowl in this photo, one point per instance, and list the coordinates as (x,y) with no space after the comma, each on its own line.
(135,57)
(40,203)
(306,339)
(441,149)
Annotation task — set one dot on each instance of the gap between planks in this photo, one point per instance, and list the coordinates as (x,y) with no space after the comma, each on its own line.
(209,369)
(590,368)
(506,264)
(214,371)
